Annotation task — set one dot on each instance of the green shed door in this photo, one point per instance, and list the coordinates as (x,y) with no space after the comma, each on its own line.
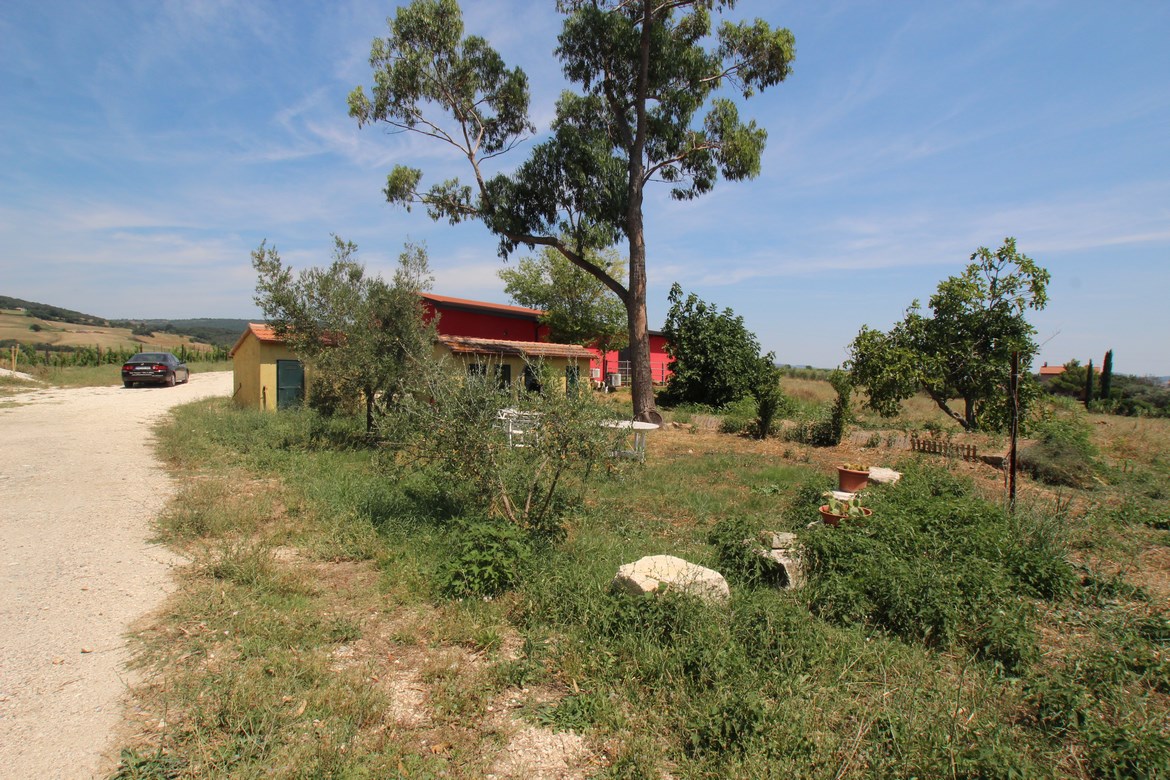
(290,383)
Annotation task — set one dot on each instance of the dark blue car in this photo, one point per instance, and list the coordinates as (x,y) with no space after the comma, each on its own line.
(156,368)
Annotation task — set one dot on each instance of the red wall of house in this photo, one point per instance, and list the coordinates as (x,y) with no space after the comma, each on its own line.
(455,321)
(659,360)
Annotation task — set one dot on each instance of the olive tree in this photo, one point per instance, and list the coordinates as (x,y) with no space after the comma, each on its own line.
(361,334)
(962,349)
(655,83)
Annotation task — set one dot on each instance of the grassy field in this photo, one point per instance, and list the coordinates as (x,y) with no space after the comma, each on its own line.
(16,326)
(312,635)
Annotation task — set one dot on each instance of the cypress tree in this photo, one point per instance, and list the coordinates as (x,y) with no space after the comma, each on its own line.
(1106,376)
(1089,384)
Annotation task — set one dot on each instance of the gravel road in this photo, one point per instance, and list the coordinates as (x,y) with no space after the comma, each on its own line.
(79,488)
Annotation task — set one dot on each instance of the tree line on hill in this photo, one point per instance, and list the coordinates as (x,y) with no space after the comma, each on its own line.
(1111,393)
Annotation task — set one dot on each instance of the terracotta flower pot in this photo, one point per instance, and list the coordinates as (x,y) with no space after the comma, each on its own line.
(831,519)
(851,481)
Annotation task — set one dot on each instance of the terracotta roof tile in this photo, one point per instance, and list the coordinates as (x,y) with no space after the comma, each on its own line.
(262,332)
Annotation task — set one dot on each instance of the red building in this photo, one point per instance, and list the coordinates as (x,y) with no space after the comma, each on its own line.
(476,319)
(481,320)
(618,361)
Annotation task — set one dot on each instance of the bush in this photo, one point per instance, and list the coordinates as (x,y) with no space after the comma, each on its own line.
(937,566)
(1063,453)
(827,429)
(487,559)
(739,416)
(453,427)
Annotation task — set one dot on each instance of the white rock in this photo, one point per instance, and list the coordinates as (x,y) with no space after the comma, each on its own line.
(789,561)
(648,574)
(883,476)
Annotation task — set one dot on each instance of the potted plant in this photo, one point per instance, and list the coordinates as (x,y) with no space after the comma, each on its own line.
(837,509)
(852,477)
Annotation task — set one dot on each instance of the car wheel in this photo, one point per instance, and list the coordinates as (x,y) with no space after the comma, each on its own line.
(171,379)
(127,383)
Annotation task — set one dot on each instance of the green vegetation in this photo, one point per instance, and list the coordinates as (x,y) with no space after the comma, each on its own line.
(963,349)
(1127,395)
(354,612)
(363,337)
(46,312)
(578,308)
(716,362)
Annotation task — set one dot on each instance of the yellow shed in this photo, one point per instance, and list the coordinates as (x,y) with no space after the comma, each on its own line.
(267,375)
(511,359)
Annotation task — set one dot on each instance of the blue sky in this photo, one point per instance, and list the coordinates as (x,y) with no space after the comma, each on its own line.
(147,147)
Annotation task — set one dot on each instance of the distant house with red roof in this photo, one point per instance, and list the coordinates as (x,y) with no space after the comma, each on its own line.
(1047,372)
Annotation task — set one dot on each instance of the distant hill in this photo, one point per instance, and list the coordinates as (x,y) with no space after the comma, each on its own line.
(55,313)
(221,332)
(218,331)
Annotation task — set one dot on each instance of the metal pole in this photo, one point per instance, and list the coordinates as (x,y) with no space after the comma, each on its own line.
(1015,429)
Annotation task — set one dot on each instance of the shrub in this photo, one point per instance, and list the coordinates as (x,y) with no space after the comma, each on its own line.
(487,559)
(937,566)
(734,540)
(770,402)
(826,429)
(455,429)
(1063,453)
(739,416)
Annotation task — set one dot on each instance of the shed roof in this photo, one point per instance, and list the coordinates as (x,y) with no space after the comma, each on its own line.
(264,333)
(1047,370)
(465,345)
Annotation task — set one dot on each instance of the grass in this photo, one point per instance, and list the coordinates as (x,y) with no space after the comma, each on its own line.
(314,634)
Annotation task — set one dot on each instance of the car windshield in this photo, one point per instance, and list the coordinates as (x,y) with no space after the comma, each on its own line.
(149,357)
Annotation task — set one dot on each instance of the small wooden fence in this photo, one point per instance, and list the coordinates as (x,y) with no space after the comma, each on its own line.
(945,448)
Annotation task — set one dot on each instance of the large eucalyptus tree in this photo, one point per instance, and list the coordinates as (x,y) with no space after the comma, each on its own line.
(654,102)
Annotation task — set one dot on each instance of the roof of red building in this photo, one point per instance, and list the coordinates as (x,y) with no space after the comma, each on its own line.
(466,303)
(1051,370)
(465,345)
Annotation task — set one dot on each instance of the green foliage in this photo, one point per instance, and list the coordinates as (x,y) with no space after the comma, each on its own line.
(1063,453)
(827,428)
(578,308)
(770,402)
(936,566)
(1098,699)
(1106,385)
(737,542)
(1088,394)
(157,765)
(739,416)
(487,558)
(453,424)
(646,74)
(716,360)
(964,348)
(362,336)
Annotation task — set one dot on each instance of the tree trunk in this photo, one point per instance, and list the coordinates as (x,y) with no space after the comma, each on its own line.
(941,403)
(642,386)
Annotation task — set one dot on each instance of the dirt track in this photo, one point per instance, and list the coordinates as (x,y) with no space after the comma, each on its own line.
(79,488)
